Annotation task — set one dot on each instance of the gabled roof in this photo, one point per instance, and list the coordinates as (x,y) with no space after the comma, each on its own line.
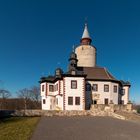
(97,73)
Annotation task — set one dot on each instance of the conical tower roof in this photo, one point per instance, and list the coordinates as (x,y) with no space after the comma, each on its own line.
(86,32)
(86,39)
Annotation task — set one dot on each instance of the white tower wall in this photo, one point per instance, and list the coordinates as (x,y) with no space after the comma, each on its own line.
(86,55)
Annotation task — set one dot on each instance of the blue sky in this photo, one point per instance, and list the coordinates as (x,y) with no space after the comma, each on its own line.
(37,36)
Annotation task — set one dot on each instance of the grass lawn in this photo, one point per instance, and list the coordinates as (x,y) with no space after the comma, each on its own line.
(17,128)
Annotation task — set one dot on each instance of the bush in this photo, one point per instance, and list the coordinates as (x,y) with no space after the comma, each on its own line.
(138,110)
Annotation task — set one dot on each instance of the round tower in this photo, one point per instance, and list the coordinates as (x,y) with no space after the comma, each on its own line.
(86,53)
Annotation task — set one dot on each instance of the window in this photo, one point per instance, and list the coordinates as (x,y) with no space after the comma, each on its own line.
(115,89)
(123,91)
(73,84)
(94,101)
(56,100)
(77,100)
(106,88)
(44,101)
(56,87)
(51,88)
(73,72)
(95,87)
(70,100)
(88,87)
(42,88)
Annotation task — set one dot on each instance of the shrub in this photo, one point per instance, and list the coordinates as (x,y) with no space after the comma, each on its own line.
(138,110)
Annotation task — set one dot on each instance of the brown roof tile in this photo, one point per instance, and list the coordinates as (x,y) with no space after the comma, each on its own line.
(97,73)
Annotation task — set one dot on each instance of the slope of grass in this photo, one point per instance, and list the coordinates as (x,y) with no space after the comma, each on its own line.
(17,128)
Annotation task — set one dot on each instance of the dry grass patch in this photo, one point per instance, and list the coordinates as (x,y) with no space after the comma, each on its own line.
(17,128)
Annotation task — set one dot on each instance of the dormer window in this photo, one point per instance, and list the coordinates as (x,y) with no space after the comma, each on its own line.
(57,72)
(73,72)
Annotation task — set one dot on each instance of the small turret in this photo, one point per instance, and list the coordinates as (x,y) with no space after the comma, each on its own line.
(58,73)
(73,62)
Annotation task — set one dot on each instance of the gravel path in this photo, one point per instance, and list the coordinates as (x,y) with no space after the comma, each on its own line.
(86,128)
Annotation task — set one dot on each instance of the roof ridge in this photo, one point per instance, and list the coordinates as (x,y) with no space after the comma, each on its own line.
(107,73)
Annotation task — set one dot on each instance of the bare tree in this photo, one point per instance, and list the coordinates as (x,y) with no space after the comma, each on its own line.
(24,94)
(4,94)
(35,91)
(35,96)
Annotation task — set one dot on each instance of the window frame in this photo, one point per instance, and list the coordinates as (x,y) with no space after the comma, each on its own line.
(96,85)
(44,101)
(74,82)
(106,88)
(123,91)
(115,89)
(77,100)
(51,89)
(70,100)
(43,88)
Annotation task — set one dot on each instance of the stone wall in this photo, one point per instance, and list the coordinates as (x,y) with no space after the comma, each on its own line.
(112,107)
(66,113)
(96,110)
(59,113)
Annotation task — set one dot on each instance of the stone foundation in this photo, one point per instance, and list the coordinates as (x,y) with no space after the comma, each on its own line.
(96,110)
(112,107)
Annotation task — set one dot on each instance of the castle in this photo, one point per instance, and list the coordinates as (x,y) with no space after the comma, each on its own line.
(84,83)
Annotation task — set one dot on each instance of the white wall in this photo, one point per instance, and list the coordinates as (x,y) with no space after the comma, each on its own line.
(59,106)
(45,106)
(102,95)
(125,97)
(79,92)
(50,97)
(43,92)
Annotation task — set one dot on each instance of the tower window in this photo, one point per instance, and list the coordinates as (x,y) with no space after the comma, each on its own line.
(115,89)
(106,88)
(95,87)
(70,100)
(73,84)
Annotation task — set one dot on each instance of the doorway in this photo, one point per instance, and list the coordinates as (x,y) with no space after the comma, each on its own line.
(106,101)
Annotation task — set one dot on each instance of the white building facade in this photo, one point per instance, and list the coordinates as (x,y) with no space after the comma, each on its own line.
(83,84)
